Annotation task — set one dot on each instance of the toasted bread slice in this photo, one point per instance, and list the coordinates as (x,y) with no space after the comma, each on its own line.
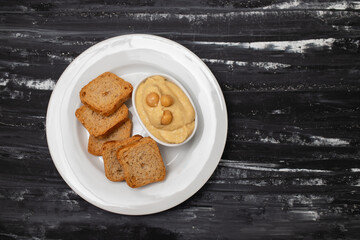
(113,170)
(97,124)
(106,93)
(142,162)
(122,132)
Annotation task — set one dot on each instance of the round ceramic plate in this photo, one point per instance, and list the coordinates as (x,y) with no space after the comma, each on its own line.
(133,58)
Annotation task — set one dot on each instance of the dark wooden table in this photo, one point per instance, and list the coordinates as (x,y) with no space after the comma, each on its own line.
(290,74)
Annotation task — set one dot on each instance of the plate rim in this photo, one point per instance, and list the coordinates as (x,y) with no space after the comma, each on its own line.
(196,185)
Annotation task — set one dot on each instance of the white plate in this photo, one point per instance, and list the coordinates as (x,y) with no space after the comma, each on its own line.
(135,57)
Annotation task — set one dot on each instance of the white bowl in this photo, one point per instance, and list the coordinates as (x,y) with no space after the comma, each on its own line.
(171,79)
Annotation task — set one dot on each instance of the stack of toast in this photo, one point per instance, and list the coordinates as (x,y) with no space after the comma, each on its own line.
(135,159)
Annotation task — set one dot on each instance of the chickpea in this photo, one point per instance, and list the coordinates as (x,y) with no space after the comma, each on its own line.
(152,99)
(166,100)
(166,118)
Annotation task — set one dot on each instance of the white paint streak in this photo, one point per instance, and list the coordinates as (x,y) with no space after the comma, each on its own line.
(302,170)
(13,65)
(307,215)
(78,43)
(71,204)
(269,65)
(296,4)
(189,215)
(314,141)
(271,182)
(309,182)
(344,28)
(269,140)
(262,65)
(287,46)
(65,194)
(278,111)
(10,235)
(46,84)
(301,199)
(8,124)
(267,165)
(3,82)
(166,16)
(20,35)
(245,166)
(193,18)
(356,5)
(357,183)
(60,58)
(39,117)
(284,5)
(338,6)
(295,138)
(321,141)
(19,196)
(226,62)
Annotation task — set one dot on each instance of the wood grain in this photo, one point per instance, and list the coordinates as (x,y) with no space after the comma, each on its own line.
(289,71)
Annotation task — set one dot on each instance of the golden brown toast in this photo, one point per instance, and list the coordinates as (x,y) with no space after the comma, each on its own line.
(113,170)
(106,93)
(122,132)
(142,162)
(98,125)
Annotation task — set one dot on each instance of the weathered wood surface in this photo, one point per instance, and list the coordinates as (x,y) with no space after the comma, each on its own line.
(290,74)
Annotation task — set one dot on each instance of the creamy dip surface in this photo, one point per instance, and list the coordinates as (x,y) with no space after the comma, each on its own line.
(183,113)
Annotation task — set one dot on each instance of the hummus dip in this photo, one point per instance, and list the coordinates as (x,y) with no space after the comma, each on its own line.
(183,114)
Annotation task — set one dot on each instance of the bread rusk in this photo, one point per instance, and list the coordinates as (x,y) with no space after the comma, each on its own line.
(113,170)
(120,133)
(142,162)
(98,125)
(106,93)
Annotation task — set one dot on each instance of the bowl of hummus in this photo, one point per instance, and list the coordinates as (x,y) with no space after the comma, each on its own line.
(165,110)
